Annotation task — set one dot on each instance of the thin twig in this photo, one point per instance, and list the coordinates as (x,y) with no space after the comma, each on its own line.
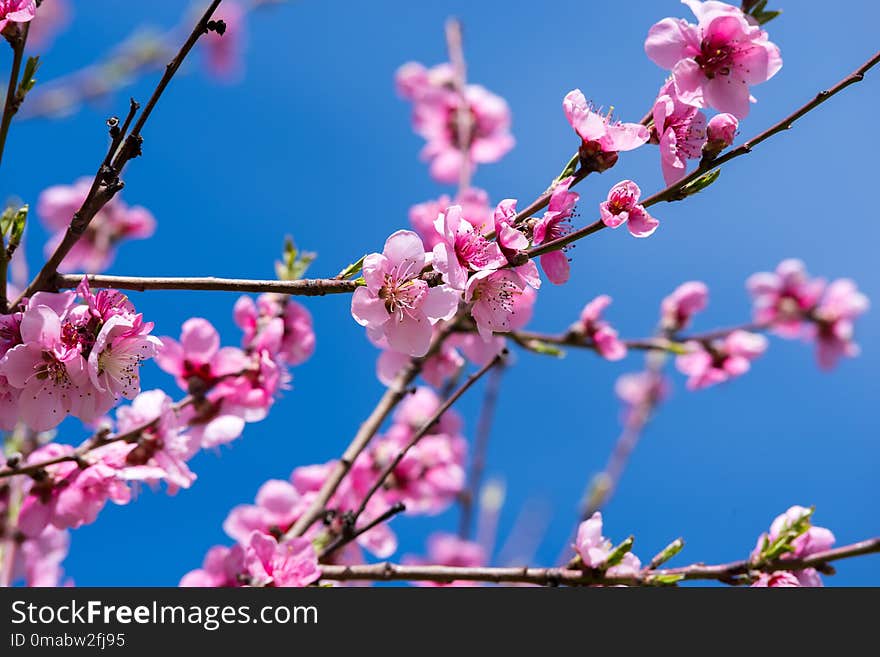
(347,536)
(727,573)
(463,118)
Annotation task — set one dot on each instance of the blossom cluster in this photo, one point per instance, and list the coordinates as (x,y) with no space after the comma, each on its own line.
(426,481)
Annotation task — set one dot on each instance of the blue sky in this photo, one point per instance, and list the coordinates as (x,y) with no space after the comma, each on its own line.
(313,142)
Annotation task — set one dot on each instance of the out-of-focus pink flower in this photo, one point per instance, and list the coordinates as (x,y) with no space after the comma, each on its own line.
(594,549)
(475,210)
(450,550)
(224,53)
(721,131)
(436,107)
(51,18)
(714,62)
(680,131)
(707,365)
(462,249)
(833,318)
(678,308)
(778,579)
(622,205)
(435,370)
(278,324)
(813,540)
(396,303)
(601,137)
(222,567)
(785,298)
(640,390)
(554,225)
(115,222)
(278,505)
(291,563)
(20,11)
(600,332)
(38,560)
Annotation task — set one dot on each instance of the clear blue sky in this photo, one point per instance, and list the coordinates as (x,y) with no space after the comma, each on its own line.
(315,143)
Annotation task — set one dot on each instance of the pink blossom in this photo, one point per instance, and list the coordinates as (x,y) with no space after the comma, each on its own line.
(639,391)
(603,336)
(709,364)
(450,550)
(721,131)
(224,53)
(777,579)
(420,406)
(435,370)
(493,297)
(594,549)
(474,209)
(554,225)
(841,304)
(278,505)
(785,298)
(714,62)
(197,359)
(20,11)
(52,17)
(678,308)
(278,324)
(435,117)
(38,560)
(292,563)
(680,131)
(622,205)
(813,540)
(96,249)
(222,567)
(52,376)
(462,249)
(601,137)
(396,303)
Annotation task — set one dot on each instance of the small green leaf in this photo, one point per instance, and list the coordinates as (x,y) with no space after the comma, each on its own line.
(543,348)
(293,264)
(27,79)
(699,184)
(619,552)
(667,579)
(766,16)
(352,269)
(570,168)
(18,224)
(667,553)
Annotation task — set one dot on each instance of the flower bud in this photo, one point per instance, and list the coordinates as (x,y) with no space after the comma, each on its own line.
(721,132)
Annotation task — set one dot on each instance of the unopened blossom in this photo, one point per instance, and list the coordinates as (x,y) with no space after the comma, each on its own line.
(600,332)
(680,132)
(622,205)
(724,359)
(224,53)
(554,225)
(462,249)
(52,17)
(511,239)
(601,136)
(475,210)
(20,11)
(813,540)
(594,549)
(290,563)
(222,567)
(714,62)
(493,297)
(450,550)
(834,320)
(114,223)
(777,579)
(677,309)
(278,324)
(436,108)
(720,133)
(785,298)
(396,303)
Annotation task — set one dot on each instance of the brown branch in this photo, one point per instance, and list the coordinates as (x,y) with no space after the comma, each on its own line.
(429,423)
(349,533)
(304,287)
(389,400)
(674,192)
(106,183)
(481,446)
(727,573)
(463,119)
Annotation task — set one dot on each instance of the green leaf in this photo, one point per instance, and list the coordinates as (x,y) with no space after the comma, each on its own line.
(352,269)
(619,552)
(12,223)
(27,79)
(570,168)
(293,264)
(699,184)
(766,16)
(667,553)
(543,348)
(666,579)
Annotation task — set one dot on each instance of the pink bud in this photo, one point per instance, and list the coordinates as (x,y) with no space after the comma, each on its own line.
(722,129)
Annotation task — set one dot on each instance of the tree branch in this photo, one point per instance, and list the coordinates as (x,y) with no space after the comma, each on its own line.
(308,287)
(727,573)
